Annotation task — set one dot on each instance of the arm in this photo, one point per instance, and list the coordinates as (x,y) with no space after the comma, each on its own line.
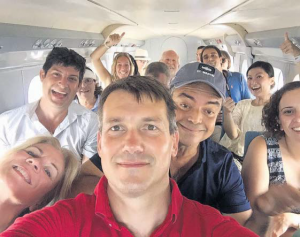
(59,220)
(288,47)
(240,217)
(277,200)
(88,178)
(232,199)
(101,71)
(256,179)
(231,129)
(255,171)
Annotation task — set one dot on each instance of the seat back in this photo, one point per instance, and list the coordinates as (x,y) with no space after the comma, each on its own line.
(249,136)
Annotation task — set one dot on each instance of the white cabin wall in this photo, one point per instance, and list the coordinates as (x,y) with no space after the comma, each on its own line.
(185,47)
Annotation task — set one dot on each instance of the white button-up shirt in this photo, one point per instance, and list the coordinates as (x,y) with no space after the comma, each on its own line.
(77,132)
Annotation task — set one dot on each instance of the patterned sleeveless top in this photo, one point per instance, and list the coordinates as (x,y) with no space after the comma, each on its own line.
(275,164)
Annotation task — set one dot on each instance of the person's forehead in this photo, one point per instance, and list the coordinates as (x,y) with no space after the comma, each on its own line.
(62,68)
(123,100)
(290,98)
(197,91)
(210,51)
(170,54)
(256,70)
(123,59)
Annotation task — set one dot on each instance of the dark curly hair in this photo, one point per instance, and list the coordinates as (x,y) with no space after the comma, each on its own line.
(270,115)
(67,58)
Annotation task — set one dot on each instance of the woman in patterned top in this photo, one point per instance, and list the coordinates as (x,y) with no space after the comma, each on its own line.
(274,158)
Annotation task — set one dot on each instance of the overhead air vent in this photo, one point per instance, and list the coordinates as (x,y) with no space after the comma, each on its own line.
(47,44)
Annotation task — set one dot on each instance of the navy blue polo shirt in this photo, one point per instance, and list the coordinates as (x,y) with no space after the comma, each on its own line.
(213,180)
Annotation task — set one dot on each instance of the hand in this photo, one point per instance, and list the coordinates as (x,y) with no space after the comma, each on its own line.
(288,47)
(281,223)
(228,105)
(114,39)
(278,199)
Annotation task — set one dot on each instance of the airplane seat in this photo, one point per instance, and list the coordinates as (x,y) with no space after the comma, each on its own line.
(249,136)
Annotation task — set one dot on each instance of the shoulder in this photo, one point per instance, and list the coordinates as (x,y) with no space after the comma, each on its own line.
(238,75)
(211,220)
(82,112)
(13,118)
(81,204)
(215,149)
(245,102)
(256,153)
(216,153)
(18,111)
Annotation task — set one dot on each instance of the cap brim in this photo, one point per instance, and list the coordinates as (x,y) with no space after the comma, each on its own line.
(184,83)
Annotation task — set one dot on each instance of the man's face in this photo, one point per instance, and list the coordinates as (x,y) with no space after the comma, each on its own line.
(142,64)
(196,114)
(135,143)
(198,55)
(170,58)
(60,85)
(211,57)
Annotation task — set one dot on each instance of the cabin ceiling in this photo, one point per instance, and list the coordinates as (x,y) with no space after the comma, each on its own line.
(143,19)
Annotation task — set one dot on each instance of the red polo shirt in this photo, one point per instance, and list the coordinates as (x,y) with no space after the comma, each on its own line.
(91,215)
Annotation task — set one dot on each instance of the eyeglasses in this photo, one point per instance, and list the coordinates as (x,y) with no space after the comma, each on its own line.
(88,81)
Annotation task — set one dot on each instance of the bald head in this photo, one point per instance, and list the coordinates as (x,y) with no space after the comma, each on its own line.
(171,59)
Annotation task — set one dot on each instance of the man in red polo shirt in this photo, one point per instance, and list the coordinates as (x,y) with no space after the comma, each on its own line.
(136,140)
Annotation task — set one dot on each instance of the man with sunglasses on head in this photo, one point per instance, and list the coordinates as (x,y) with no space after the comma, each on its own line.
(55,114)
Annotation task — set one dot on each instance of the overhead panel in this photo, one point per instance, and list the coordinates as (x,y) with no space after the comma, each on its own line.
(257,15)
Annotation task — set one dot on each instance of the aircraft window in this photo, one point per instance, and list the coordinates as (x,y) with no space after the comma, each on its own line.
(296,78)
(278,79)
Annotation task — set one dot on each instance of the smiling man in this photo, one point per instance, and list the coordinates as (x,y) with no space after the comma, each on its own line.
(171,59)
(55,113)
(136,140)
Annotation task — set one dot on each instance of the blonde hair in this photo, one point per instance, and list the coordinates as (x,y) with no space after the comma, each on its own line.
(114,65)
(71,169)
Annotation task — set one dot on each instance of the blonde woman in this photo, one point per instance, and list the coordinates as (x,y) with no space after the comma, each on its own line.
(122,66)
(35,174)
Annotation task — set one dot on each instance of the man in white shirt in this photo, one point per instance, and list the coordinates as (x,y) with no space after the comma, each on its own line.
(55,113)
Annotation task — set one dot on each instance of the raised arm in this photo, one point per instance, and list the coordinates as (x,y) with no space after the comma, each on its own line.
(101,71)
(288,47)
(231,129)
